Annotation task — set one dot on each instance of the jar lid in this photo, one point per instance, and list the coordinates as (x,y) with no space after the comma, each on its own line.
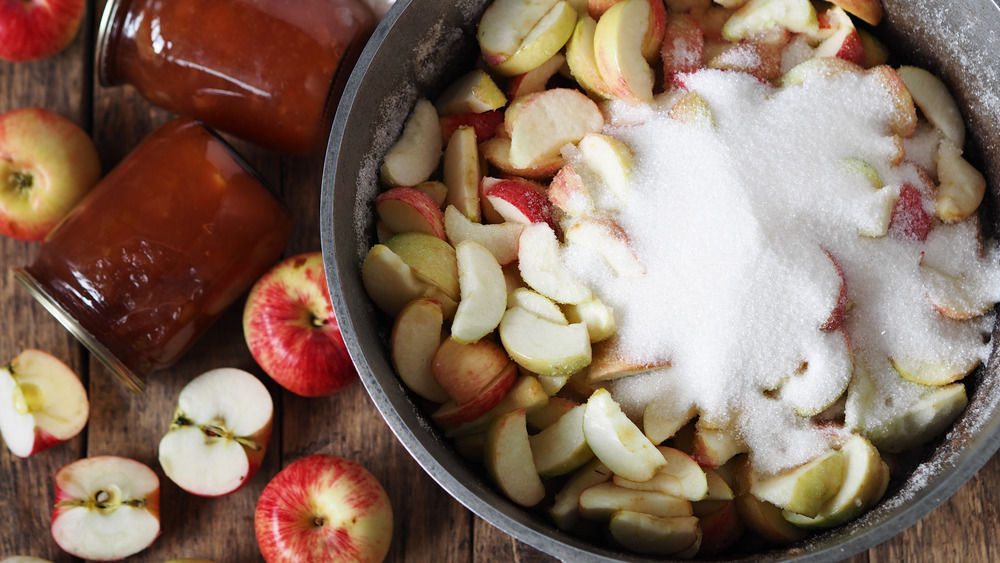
(104,30)
(110,361)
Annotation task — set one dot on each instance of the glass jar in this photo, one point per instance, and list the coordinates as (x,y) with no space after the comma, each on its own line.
(269,71)
(154,254)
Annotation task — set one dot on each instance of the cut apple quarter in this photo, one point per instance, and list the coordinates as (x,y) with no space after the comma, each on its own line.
(509,460)
(484,293)
(542,346)
(546,121)
(804,489)
(416,154)
(541,266)
(866,477)
(42,403)
(416,336)
(219,433)
(617,441)
(106,508)
(561,447)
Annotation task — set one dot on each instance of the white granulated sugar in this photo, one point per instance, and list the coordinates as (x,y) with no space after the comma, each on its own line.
(747,229)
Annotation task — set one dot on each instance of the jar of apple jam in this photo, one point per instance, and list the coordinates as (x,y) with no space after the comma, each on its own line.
(154,254)
(269,71)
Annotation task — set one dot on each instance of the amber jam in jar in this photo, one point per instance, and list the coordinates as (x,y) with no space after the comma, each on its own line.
(143,265)
(269,71)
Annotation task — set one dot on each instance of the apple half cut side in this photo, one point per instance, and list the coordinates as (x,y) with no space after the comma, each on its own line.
(106,508)
(323,508)
(219,433)
(42,403)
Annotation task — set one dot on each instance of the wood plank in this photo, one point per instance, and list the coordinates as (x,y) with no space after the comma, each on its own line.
(27,486)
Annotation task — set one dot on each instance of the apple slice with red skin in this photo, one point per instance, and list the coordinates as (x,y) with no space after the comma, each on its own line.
(569,193)
(465,369)
(903,117)
(407,209)
(508,459)
(683,47)
(909,219)
(292,331)
(451,415)
(106,508)
(219,433)
(484,124)
(869,11)
(645,533)
(47,162)
(496,151)
(323,508)
(844,43)
(526,394)
(519,202)
(42,403)
(416,154)
(36,30)
(618,48)
(416,336)
(582,61)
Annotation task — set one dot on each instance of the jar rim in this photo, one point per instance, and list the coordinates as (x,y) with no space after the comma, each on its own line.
(106,357)
(104,29)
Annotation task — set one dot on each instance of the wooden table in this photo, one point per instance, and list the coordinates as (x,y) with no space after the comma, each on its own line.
(429,525)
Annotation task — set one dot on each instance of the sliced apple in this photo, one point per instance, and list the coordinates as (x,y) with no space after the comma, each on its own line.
(407,209)
(935,102)
(465,369)
(536,79)
(500,239)
(608,241)
(508,459)
(561,447)
(461,172)
(474,92)
(526,394)
(484,293)
(435,190)
(961,187)
(416,154)
(869,11)
(542,346)
(565,511)
(761,16)
(691,108)
(953,296)
(519,201)
(541,266)
(681,477)
(597,315)
(903,117)
(569,193)
(814,68)
(391,283)
(762,518)
(929,416)
(453,414)
(552,411)
(496,151)
(645,533)
(683,46)
(712,447)
(760,59)
(663,418)
(825,376)
(876,53)
(416,336)
(803,489)
(618,48)
(721,528)
(484,124)
(866,477)
(602,500)
(609,363)
(546,121)
(432,260)
(582,61)
(537,304)
(617,441)
(609,161)
(934,373)
(909,219)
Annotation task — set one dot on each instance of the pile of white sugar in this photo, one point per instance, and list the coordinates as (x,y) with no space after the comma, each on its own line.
(747,228)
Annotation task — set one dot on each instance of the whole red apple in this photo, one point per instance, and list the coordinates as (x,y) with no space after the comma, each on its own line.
(34,29)
(47,164)
(292,332)
(323,508)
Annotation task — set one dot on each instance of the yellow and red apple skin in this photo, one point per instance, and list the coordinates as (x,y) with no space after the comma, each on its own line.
(47,165)
(465,370)
(34,30)
(292,331)
(323,508)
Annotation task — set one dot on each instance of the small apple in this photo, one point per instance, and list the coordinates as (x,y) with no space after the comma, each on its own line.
(106,508)
(42,403)
(292,332)
(323,508)
(219,432)
(37,29)
(47,164)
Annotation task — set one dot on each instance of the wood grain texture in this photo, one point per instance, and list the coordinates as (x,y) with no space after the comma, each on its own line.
(430,526)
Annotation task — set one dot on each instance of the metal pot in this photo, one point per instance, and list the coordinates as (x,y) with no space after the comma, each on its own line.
(422,44)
